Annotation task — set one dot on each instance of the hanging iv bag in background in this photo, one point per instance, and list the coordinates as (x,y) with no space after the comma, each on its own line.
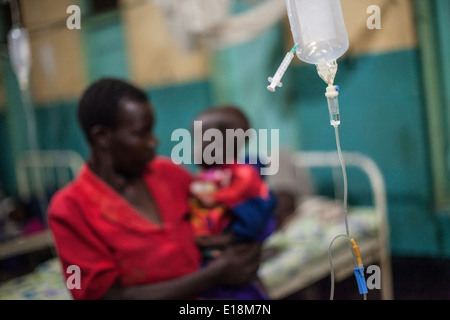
(20,55)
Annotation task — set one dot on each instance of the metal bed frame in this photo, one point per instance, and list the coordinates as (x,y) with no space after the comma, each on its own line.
(37,171)
(373,250)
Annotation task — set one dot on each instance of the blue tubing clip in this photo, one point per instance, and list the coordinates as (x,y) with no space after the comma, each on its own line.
(360,280)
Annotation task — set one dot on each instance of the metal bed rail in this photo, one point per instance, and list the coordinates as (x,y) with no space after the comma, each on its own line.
(325,159)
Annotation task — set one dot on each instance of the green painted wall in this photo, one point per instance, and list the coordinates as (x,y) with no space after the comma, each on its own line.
(57,124)
(383,115)
(15,125)
(381,108)
(7,181)
(240,76)
(105,47)
(176,107)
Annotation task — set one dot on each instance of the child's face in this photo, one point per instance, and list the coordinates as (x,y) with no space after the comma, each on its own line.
(221,121)
(212,121)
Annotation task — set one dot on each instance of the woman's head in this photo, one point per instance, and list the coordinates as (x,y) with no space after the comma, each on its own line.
(117,120)
(100,103)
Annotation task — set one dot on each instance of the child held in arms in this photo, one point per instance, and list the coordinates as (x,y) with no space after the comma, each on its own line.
(231,202)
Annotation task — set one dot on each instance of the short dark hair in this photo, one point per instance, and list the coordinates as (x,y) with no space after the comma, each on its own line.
(231,117)
(101,100)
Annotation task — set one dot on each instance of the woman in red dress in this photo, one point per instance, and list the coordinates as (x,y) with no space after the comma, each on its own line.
(124,220)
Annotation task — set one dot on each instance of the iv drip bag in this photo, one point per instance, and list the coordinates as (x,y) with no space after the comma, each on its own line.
(318,29)
(20,54)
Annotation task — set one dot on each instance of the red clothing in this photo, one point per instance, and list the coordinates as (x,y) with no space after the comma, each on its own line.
(245,183)
(99,231)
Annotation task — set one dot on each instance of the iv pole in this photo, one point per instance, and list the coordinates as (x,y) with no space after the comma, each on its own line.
(20,57)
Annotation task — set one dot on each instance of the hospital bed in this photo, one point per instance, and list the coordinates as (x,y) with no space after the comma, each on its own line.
(299,248)
(299,257)
(39,174)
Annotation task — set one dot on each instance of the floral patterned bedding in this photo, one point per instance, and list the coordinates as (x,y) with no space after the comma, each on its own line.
(307,237)
(303,239)
(44,283)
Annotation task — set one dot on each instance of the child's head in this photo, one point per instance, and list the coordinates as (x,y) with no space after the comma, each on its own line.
(233,125)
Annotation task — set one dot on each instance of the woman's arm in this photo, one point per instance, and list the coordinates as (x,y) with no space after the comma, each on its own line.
(237,266)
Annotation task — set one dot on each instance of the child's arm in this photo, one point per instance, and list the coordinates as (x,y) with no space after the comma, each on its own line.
(251,201)
(206,199)
(245,182)
(203,191)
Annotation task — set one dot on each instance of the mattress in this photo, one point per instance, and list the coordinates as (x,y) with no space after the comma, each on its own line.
(306,238)
(44,283)
(289,251)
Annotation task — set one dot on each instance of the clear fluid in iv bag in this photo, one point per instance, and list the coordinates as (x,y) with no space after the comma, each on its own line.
(20,54)
(318,28)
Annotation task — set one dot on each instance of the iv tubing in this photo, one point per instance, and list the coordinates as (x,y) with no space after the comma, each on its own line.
(347,235)
(344,174)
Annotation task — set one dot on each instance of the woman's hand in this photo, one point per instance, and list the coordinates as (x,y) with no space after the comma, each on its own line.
(237,266)
(239,263)
(214,241)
